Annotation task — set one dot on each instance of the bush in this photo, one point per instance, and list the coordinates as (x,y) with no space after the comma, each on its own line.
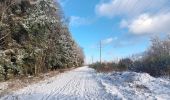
(155,66)
(111,66)
(156,60)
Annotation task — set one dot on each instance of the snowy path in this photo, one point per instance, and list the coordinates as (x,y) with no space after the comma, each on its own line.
(85,84)
(79,84)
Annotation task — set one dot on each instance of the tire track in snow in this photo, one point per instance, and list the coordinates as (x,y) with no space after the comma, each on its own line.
(78,84)
(59,90)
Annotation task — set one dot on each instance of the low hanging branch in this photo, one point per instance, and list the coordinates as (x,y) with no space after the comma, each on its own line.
(4,37)
(5,6)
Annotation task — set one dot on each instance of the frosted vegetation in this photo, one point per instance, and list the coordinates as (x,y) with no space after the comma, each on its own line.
(35,38)
(155,60)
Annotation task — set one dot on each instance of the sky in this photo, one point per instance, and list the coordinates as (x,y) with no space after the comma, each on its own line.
(124,27)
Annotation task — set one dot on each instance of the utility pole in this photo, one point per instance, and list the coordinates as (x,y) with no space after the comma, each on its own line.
(100,52)
(92,59)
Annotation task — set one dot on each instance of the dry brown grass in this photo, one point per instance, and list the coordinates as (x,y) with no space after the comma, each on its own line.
(105,69)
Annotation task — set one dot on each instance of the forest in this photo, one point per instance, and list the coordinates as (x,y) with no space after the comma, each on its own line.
(35,38)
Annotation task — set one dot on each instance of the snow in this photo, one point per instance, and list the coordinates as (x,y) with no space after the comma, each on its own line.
(3,86)
(132,85)
(85,83)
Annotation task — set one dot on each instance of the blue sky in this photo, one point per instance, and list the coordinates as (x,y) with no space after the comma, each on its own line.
(123,26)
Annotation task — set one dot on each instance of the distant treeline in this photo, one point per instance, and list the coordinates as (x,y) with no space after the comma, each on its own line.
(35,38)
(155,61)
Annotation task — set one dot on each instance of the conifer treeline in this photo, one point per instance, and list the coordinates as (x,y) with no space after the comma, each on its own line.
(34,38)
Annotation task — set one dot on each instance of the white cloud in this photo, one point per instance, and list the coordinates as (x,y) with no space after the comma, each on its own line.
(63,2)
(78,21)
(109,40)
(123,24)
(104,42)
(149,24)
(130,7)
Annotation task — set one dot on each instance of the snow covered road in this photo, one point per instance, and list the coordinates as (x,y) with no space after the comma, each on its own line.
(85,84)
(79,84)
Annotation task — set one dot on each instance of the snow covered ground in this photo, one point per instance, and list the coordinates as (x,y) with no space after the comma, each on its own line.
(3,86)
(85,84)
